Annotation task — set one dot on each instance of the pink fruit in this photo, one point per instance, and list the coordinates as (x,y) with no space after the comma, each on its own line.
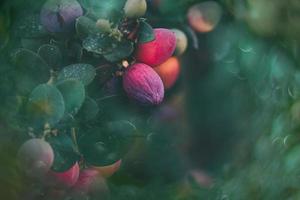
(109,170)
(90,183)
(36,157)
(159,50)
(64,179)
(143,85)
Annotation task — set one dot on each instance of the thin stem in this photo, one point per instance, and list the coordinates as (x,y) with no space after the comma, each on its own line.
(73,133)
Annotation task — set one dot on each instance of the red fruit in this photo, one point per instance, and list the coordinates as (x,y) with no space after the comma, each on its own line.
(90,183)
(36,157)
(64,179)
(169,72)
(159,50)
(109,170)
(143,85)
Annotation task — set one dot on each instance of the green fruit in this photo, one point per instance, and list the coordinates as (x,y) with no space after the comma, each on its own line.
(135,8)
(181,42)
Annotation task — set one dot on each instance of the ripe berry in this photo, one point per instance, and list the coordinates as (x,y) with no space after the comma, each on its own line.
(143,85)
(36,157)
(59,15)
(90,184)
(169,72)
(64,179)
(107,171)
(159,50)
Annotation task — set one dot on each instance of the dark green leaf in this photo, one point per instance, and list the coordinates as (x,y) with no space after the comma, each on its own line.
(73,93)
(65,155)
(45,105)
(32,44)
(88,110)
(99,148)
(30,70)
(96,44)
(51,54)
(82,72)
(146,33)
(85,26)
(30,27)
(26,60)
(119,51)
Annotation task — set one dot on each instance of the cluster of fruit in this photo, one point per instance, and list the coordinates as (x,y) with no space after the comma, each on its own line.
(144,57)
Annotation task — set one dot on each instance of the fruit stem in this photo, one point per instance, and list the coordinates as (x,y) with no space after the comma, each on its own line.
(73,133)
(52,77)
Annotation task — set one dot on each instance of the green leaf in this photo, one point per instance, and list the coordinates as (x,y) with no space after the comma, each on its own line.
(97,44)
(51,55)
(30,27)
(85,26)
(119,51)
(73,93)
(146,33)
(45,105)
(88,110)
(32,44)
(65,155)
(124,132)
(99,148)
(30,70)
(25,60)
(82,72)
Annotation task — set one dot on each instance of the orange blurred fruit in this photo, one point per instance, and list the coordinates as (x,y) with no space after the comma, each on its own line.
(169,71)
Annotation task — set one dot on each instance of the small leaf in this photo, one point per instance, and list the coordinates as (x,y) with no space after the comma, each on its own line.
(30,27)
(45,105)
(88,110)
(73,93)
(32,44)
(26,60)
(124,133)
(99,148)
(30,70)
(146,33)
(119,51)
(82,72)
(65,155)
(96,44)
(51,54)
(75,51)
(85,26)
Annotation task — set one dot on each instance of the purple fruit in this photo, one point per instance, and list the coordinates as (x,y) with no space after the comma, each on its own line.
(60,15)
(143,85)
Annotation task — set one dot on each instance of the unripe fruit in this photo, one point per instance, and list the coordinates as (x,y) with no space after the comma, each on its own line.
(203,17)
(143,85)
(181,42)
(159,50)
(36,157)
(59,15)
(108,171)
(64,179)
(90,183)
(169,72)
(135,8)
(103,25)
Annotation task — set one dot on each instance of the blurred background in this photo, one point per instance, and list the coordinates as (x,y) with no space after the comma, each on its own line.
(227,130)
